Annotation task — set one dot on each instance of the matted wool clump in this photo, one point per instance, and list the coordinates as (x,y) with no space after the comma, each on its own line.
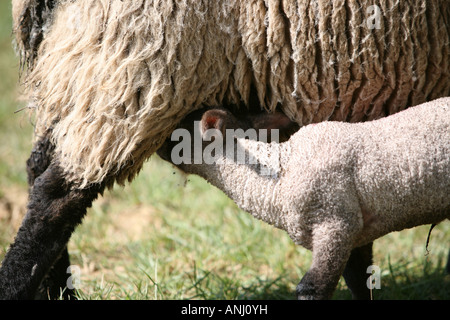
(111,79)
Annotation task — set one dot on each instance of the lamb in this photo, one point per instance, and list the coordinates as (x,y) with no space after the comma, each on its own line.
(334,186)
(108,81)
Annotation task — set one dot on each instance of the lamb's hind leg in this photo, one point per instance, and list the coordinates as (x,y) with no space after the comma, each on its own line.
(54,210)
(355,273)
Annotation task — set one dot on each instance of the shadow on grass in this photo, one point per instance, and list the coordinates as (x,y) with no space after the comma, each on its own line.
(399,284)
(404,284)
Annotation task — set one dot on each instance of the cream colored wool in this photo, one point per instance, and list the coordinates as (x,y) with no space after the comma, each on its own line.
(113,78)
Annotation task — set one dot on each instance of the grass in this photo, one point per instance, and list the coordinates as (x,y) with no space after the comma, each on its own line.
(167,236)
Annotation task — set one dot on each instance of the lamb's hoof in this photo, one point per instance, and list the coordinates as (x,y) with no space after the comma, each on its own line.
(306,291)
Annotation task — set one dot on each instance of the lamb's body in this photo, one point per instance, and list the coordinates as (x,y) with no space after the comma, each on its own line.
(336,186)
(383,176)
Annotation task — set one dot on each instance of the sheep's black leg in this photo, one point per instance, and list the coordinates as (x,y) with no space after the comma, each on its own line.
(355,273)
(55,281)
(54,210)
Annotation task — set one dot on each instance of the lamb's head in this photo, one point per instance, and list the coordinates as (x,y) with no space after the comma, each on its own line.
(198,131)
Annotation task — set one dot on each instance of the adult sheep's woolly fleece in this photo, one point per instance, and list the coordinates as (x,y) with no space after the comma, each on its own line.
(112,79)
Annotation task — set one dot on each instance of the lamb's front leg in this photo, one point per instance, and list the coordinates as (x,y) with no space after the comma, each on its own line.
(332,245)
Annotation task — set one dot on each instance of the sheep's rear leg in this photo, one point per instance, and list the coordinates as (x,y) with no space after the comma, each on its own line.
(355,273)
(54,210)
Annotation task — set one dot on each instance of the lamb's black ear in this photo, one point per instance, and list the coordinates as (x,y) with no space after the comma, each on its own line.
(270,121)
